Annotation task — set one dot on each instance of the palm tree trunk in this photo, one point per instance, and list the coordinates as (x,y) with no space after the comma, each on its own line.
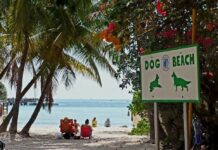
(26,128)
(13,127)
(5,69)
(4,125)
(6,121)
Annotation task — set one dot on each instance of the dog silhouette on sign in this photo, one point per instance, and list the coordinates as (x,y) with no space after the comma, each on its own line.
(180,82)
(155,83)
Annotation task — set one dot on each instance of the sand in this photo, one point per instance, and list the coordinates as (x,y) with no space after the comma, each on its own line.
(112,138)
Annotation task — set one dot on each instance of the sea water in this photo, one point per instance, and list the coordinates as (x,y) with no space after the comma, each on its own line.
(79,109)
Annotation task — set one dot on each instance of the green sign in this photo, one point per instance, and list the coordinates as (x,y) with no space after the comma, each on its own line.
(171,75)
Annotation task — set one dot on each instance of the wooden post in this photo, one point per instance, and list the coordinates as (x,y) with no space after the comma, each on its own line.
(194,13)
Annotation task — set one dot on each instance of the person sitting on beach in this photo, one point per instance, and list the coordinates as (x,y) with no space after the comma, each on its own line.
(86,130)
(66,127)
(76,125)
(77,130)
(73,127)
(107,123)
(94,122)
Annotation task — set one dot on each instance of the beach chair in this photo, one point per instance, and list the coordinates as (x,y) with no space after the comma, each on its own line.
(86,132)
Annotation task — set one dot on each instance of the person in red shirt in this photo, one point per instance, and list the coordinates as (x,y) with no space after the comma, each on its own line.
(86,130)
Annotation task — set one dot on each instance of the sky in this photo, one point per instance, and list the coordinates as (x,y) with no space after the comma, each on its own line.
(83,88)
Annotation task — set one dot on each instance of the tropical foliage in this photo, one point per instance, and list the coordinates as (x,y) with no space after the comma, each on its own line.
(138,106)
(145,26)
(50,39)
(62,38)
(142,128)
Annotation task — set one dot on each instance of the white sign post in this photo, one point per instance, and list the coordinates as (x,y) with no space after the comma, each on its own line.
(171,76)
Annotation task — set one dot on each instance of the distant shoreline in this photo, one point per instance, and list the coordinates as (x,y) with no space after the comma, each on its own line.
(33,101)
(95,99)
(77,99)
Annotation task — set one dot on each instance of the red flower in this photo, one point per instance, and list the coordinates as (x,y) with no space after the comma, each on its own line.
(159,8)
(200,40)
(188,34)
(111,27)
(205,42)
(169,33)
(141,50)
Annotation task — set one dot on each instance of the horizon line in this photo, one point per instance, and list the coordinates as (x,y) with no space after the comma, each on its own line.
(77,98)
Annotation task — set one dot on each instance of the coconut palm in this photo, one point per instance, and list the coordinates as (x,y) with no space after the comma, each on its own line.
(68,69)
(21,20)
(70,50)
(68,66)
(22,23)
(63,34)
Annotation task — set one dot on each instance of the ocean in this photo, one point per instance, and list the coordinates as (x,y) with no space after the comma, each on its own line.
(79,109)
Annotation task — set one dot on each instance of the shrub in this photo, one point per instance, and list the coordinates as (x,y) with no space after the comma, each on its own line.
(142,128)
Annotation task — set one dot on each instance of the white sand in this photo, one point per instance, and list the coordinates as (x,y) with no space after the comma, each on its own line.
(113,138)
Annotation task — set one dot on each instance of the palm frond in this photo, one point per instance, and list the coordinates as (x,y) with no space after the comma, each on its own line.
(14,75)
(78,67)
(68,77)
(94,67)
(100,59)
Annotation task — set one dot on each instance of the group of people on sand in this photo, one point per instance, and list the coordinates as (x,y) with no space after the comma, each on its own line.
(70,128)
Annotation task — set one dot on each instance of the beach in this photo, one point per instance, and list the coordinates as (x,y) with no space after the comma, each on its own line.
(112,138)
(45,133)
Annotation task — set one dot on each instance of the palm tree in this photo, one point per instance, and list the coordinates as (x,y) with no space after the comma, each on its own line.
(22,23)
(47,86)
(20,18)
(56,34)
(70,51)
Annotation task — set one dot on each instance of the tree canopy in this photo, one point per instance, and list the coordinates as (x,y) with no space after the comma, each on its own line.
(140,27)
